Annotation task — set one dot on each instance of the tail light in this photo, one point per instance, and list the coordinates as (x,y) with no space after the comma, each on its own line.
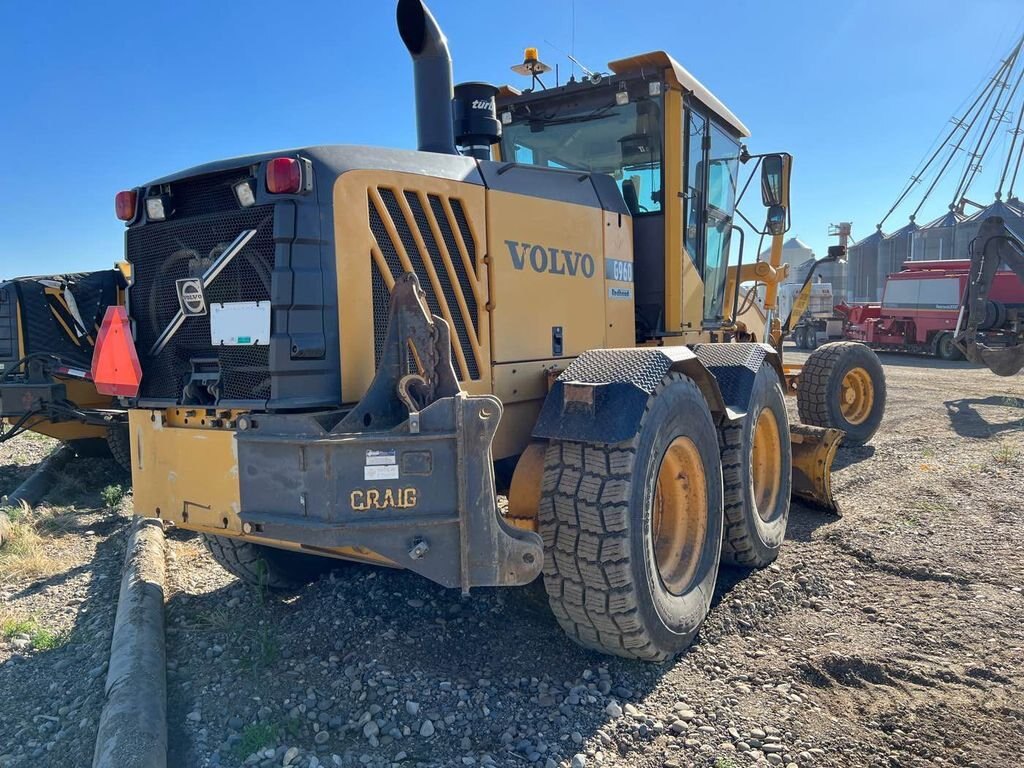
(115,363)
(124,204)
(284,176)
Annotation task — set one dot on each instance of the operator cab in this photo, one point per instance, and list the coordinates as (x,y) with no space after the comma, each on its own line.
(673,150)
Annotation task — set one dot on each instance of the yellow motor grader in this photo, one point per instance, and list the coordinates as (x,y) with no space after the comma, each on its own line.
(48,330)
(344,351)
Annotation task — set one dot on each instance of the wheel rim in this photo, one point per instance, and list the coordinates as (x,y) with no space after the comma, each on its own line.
(680,515)
(858,396)
(766,463)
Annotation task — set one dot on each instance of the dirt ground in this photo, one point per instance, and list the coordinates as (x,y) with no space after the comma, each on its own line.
(59,578)
(888,637)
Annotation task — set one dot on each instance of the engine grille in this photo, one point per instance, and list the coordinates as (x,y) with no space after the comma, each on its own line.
(8,323)
(161,253)
(211,193)
(429,236)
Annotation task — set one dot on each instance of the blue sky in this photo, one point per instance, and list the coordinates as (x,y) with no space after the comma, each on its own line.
(101,96)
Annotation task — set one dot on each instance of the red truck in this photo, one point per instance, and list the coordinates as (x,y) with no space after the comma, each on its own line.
(921,304)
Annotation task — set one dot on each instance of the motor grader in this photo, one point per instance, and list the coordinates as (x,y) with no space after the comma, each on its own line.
(48,330)
(344,351)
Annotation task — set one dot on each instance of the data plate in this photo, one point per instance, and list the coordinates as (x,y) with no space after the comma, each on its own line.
(240,323)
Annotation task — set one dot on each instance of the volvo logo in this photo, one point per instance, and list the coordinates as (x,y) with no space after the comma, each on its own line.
(555,261)
(190,297)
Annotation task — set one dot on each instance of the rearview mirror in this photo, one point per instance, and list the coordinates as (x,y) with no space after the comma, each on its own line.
(775,181)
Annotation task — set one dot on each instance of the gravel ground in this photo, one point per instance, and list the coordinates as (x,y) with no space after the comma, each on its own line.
(58,594)
(887,637)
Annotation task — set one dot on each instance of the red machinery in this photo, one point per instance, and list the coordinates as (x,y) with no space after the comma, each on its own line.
(921,304)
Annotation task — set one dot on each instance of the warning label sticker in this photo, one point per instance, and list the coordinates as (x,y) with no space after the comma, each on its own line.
(380,458)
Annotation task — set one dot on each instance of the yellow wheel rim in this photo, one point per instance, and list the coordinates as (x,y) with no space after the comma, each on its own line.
(766,463)
(858,396)
(680,518)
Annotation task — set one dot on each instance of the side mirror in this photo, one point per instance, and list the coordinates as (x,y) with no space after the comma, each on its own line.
(775,180)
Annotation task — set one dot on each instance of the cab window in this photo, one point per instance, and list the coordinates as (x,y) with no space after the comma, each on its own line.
(723,168)
(593,133)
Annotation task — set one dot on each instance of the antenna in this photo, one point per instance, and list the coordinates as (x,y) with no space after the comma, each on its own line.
(591,75)
(572,37)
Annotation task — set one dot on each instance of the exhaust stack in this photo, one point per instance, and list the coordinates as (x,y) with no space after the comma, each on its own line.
(432,72)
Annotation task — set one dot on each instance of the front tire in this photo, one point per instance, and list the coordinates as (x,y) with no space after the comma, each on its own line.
(842,385)
(633,531)
(945,349)
(757,470)
(266,567)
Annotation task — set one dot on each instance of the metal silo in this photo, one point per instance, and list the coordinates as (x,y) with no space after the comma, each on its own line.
(967,229)
(863,262)
(934,241)
(895,249)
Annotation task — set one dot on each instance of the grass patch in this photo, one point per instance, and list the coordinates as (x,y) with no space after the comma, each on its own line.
(724,762)
(23,554)
(41,638)
(1006,454)
(255,736)
(112,496)
(264,650)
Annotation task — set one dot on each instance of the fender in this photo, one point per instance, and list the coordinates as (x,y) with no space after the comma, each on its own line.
(601,397)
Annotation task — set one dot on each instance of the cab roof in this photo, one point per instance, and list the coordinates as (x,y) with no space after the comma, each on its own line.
(679,76)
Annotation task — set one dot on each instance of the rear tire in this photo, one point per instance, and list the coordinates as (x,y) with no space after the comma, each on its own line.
(842,385)
(633,531)
(945,349)
(120,446)
(266,567)
(757,470)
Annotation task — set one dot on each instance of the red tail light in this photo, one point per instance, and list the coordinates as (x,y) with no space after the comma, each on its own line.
(284,176)
(115,363)
(124,204)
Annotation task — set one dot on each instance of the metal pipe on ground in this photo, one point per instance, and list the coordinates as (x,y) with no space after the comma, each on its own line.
(35,485)
(132,730)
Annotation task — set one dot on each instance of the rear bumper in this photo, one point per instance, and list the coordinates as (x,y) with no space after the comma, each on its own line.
(423,501)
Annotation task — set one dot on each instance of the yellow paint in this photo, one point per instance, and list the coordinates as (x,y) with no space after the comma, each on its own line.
(619,313)
(189,476)
(365,499)
(357,249)
(544,293)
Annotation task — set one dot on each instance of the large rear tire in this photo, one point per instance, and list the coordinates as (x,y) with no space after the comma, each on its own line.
(842,385)
(633,531)
(757,470)
(266,567)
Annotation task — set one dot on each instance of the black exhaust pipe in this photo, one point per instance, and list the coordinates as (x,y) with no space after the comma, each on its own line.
(432,72)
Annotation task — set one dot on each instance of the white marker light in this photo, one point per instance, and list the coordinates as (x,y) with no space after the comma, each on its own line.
(622,98)
(245,194)
(654,88)
(155,209)
(506,118)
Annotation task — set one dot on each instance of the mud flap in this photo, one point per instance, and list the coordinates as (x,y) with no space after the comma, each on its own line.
(814,450)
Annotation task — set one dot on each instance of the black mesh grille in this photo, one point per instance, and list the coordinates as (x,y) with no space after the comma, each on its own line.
(202,195)
(8,323)
(160,254)
(388,250)
(467,235)
(381,298)
(456,254)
